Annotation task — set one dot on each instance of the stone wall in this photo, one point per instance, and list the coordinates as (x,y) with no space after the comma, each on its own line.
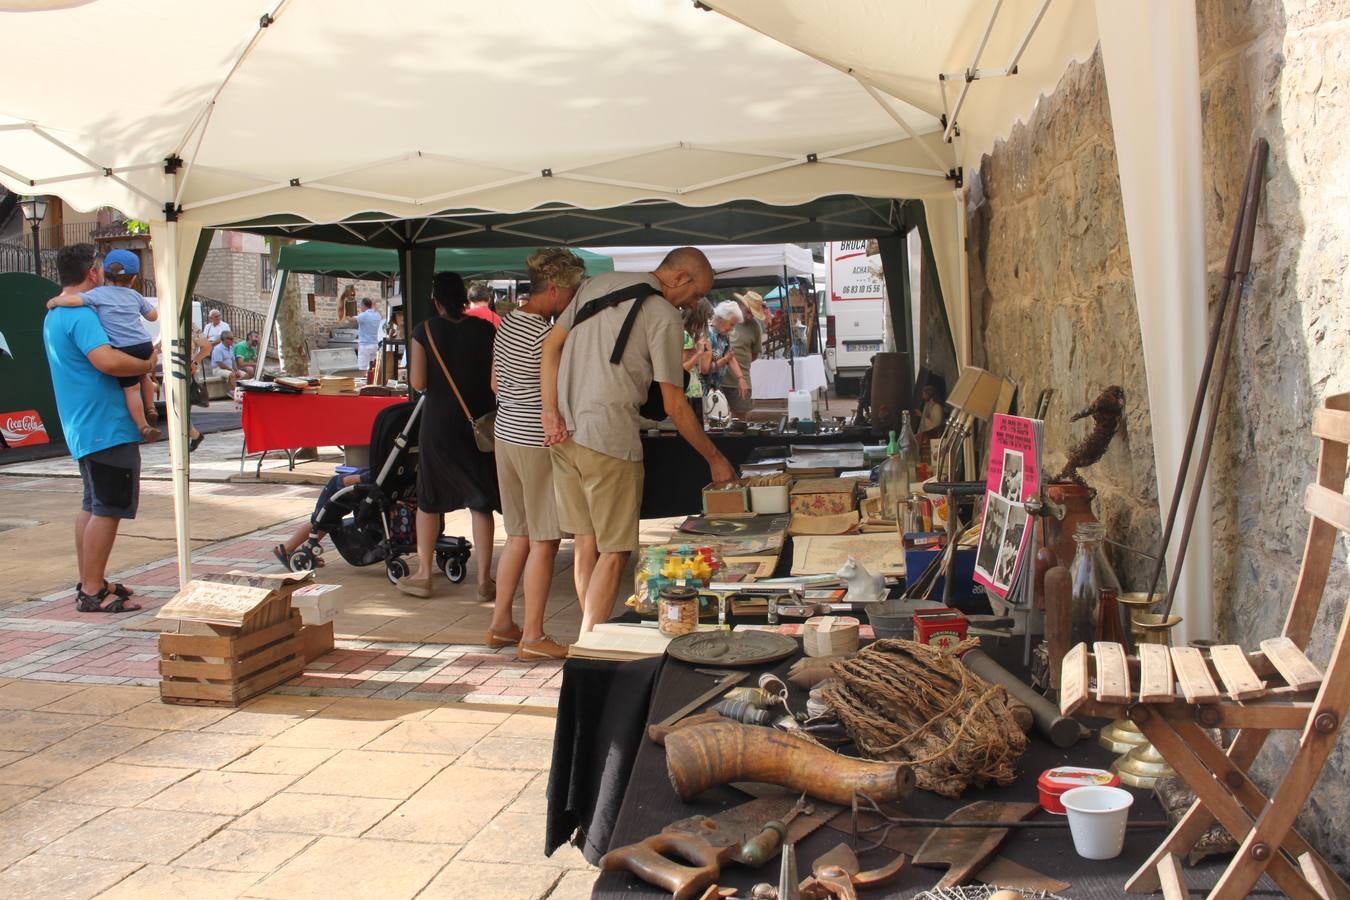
(1053,306)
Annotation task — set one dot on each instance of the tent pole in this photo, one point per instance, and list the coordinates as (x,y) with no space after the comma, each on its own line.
(270,320)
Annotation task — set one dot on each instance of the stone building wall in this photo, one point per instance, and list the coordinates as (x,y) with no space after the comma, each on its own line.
(1053,305)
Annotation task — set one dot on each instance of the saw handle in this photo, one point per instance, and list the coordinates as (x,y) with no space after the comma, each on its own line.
(649,859)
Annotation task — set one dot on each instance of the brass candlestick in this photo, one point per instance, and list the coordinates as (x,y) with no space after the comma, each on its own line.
(1143,765)
(1122,735)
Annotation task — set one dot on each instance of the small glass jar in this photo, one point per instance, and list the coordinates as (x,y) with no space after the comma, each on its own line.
(1092,574)
(679,610)
(648,580)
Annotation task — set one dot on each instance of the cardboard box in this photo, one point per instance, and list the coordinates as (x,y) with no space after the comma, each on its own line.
(315,641)
(824,496)
(726,500)
(317,603)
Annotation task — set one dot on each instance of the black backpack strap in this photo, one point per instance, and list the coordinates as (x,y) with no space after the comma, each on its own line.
(637,292)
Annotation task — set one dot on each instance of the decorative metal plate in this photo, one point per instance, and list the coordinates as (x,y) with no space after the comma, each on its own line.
(732,648)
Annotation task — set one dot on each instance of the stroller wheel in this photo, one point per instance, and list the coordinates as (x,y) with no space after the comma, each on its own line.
(395,569)
(454,569)
(301,561)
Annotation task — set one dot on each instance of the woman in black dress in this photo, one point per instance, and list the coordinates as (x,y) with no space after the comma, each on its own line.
(452,472)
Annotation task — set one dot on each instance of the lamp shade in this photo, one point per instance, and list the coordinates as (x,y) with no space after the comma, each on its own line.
(976,392)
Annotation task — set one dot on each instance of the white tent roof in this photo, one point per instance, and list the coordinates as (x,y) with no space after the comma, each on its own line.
(728,260)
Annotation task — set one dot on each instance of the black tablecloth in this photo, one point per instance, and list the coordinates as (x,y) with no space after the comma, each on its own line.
(675,474)
(649,804)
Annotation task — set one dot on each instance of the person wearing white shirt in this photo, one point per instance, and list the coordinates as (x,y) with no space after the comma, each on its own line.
(369,326)
(215,329)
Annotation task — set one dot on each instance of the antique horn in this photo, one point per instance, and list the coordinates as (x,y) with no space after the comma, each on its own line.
(705,756)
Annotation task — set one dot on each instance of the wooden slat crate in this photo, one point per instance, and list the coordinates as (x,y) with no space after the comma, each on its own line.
(232,665)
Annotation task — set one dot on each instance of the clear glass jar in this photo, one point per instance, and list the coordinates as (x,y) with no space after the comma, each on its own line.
(1092,573)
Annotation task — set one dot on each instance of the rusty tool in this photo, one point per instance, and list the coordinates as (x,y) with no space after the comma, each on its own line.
(837,875)
(726,678)
(688,855)
(966,850)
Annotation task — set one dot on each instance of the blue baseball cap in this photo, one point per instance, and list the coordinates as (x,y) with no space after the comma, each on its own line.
(130,262)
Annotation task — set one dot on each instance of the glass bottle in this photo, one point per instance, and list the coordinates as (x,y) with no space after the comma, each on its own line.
(908,446)
(894,480)
(1092,574)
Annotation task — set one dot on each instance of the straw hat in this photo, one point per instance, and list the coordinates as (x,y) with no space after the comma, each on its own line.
(755,303)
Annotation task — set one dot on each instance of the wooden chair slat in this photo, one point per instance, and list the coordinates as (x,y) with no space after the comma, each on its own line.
(1196,684)
(1317,878)
(1156,684)
(1329,506)
(1236,673)
(1331,425)
(1113,675)
(1170,879)
(1294,667)
(1073,680)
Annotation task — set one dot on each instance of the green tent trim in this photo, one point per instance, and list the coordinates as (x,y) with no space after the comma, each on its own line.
(367,262)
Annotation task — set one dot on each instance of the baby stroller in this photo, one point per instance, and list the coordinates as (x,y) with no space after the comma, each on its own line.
(374,521)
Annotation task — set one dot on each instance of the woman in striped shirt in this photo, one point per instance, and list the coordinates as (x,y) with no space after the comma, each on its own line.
(524,465)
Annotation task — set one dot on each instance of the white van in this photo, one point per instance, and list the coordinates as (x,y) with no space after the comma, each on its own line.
(856,311)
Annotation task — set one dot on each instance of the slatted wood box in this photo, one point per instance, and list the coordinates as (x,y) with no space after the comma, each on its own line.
(223,665)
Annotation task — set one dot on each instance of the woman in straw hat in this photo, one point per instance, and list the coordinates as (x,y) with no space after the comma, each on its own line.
(747,343)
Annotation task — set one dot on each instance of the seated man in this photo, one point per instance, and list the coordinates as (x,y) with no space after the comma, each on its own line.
(223,362)
(246,356)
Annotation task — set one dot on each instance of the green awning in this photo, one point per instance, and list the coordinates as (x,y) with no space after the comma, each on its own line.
(366,262)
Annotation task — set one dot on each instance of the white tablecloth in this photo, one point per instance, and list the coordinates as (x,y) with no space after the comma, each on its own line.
(770,379)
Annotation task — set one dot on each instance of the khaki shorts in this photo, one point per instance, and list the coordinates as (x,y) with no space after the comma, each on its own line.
(597,494)
(525,481)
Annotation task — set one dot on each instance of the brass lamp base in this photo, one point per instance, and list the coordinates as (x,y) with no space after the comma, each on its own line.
(1142,767)
(1121,736)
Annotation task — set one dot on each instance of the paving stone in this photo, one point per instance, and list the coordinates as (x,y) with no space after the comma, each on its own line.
(30,825)
(169,717)
(54,877)
(318,814)
(281,760)
(116,785)
(491,881)
(14,794)
(139,835)
(468,714)
(78,753)
(32,694)
(175,882)
(506,835)
(494,752)
(191,750)
(534,799)
(391,710)
(575,885)
(103,701)
(365,773)
(235,850)
(269,715)
(474,795)
(336,868)
(431,737)
(527,726)
(341,734)
(224,793)
(29,730)
(9,756)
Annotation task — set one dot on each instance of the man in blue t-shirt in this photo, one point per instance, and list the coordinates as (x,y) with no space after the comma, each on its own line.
(102,438)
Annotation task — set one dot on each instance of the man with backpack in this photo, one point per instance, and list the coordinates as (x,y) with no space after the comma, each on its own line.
(619,340)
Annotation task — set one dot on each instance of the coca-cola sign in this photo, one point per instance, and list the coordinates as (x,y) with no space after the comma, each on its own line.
(23,428)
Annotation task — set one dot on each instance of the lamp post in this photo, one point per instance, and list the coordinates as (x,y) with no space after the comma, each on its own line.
(35,210)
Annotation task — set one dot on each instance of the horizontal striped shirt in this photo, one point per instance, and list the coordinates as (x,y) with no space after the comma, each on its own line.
(517,352)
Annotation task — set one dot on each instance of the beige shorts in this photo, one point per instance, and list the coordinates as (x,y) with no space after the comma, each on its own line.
(597,494)
(525,481)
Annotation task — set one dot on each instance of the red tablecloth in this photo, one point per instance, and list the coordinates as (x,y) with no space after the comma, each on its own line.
(290,421)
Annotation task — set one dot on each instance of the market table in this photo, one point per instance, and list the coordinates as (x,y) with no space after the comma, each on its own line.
(675,475)
(638,799)
(276,421)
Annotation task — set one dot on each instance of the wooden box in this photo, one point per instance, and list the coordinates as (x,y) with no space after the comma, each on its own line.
(229,667)
(731,499)
(315,640)
(823,496)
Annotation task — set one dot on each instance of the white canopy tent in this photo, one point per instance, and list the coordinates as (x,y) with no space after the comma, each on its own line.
(729,261)
(398,127)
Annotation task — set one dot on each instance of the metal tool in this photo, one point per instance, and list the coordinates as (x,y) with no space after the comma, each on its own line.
(966,850)
(837,874)
(726,678)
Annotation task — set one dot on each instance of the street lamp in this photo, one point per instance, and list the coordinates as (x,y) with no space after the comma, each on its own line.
(35,210)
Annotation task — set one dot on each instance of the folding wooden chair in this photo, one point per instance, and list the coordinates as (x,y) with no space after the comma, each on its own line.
(1277,688)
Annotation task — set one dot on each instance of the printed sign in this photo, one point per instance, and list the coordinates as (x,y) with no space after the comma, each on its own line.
(23,428)
(853,274)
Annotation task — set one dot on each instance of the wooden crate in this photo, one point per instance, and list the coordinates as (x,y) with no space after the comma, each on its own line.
(315,640)
(230,666)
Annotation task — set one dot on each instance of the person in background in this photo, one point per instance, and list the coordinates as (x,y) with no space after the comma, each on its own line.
(452,473)
(725,317)
(99,430)
(201,350)
(120,308)
(246,355)
(697,352)
(222,361)
(369,327)
(930,414)
(215,328)
(480,304)
(747,343)
(524,464)
(591,414)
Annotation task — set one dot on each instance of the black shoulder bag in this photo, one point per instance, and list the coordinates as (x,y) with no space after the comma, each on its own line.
(654,407)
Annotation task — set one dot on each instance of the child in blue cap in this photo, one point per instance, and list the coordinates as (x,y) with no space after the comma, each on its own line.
(120,307)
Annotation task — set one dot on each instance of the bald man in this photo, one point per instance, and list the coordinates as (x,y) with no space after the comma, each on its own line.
(591,414)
